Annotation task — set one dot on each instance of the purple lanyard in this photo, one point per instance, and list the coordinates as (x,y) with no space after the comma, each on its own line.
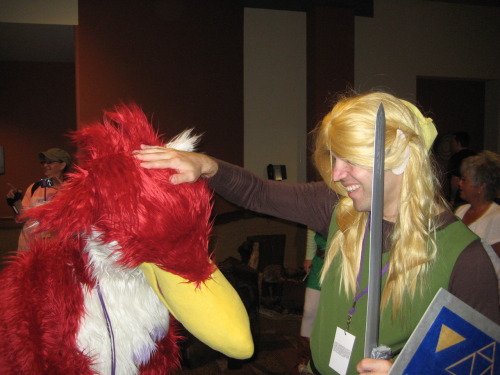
(110,330)
(358,296)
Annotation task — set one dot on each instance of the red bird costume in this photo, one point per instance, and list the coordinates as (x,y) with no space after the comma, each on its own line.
(116,247)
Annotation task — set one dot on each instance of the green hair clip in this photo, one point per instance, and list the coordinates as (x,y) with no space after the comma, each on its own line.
(427,127)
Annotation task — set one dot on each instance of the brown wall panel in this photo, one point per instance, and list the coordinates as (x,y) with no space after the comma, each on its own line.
(37,111)
(182,61)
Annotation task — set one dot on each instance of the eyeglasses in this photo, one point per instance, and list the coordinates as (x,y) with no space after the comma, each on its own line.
(50,161)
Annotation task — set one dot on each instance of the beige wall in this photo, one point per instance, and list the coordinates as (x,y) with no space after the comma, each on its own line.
(275,91)
(275,105)
(62,12)
(411,38)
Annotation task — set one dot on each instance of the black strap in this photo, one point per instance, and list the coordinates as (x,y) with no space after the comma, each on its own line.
(35,186)
(44,182)
(313,368)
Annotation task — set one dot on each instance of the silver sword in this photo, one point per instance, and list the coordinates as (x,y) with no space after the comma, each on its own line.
(375,258)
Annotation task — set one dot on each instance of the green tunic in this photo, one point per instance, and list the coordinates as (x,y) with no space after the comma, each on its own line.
(317,263)
(335,305)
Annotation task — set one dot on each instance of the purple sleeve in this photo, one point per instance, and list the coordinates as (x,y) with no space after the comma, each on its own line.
(310,204)
(473,268)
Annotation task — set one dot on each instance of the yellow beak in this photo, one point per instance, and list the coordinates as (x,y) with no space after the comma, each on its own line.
(212,311)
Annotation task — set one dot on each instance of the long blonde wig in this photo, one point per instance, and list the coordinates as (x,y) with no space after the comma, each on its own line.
(348,132)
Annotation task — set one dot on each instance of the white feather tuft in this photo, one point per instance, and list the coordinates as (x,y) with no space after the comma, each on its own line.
(185,141)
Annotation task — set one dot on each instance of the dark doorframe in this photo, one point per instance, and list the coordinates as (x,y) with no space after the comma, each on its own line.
(454,105)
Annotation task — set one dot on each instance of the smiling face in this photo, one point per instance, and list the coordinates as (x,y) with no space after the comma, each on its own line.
(358,183)
(52,168)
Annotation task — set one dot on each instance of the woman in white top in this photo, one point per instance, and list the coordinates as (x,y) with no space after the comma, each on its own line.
(480,185)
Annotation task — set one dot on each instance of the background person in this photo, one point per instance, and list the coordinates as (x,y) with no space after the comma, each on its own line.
(460,148)
(416,228)
(479,186)
(55,163)
(313,263)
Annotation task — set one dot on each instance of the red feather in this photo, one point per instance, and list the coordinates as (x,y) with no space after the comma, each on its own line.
(41,299)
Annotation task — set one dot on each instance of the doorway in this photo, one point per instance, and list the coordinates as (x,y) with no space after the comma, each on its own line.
(454,105)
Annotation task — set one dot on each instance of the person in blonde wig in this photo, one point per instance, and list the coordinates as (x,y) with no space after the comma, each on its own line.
(425,247)
(347,133)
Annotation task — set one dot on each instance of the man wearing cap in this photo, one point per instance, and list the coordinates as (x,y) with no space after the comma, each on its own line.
(56,163)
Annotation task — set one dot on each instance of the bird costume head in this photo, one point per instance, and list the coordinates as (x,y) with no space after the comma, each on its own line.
(115,257)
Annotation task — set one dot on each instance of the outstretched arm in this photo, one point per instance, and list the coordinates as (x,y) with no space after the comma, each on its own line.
(310,204)
(189,165)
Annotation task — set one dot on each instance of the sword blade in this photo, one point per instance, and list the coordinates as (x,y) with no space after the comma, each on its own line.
(375,258)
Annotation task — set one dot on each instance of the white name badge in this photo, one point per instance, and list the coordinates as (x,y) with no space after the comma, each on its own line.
(341,351)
